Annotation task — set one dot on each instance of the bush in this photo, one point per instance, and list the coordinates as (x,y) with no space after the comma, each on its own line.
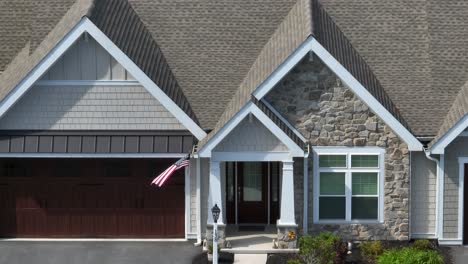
(371,250)
(325,248)
(422,244)
(410,256)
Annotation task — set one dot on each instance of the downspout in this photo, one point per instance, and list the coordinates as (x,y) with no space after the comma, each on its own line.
(305,219)
(438,191)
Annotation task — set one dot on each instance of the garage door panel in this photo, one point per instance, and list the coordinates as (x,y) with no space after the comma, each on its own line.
(92,203)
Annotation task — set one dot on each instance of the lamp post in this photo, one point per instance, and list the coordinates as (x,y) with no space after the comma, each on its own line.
(215,211)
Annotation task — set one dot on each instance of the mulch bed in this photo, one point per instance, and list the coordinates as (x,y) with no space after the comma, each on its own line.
(224,258)
(355,257)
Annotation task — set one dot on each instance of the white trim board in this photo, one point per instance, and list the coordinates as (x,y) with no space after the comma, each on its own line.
(250,107)
(86,83)
(450,242)
(250,156)
(85,25)
(293,129)
(311,44)
(461,192)
(455,131)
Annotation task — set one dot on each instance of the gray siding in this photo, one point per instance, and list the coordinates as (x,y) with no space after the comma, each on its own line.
(87,60)
(458,148)
(88,108)
(204,191)
(423,195)
(251,135)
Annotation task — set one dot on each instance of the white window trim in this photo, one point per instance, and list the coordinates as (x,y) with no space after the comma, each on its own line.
(349,151)
(86,25)
(311,44)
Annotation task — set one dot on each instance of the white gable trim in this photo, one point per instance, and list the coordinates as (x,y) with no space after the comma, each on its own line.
(311,44)
(295,150)
(293,129)
(447,138)
(85,25)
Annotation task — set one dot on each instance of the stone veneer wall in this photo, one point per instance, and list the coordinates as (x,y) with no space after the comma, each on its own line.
(328,113)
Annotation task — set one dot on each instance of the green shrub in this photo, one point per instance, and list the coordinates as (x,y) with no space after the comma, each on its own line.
(371,250)
(294,261)
(410,256)
(422,244)
(325,248)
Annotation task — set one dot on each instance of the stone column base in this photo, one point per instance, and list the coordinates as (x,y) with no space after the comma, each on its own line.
(287,236)
(222,242)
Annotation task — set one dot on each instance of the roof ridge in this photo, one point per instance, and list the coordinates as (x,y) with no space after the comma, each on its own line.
(456,112)
(288,36)
(120,22)
(333,39)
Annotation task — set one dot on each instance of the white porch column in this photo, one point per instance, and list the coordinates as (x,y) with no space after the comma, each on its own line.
(287,217)
(215,192)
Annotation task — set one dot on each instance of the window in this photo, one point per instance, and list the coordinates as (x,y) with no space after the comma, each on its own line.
(348,184)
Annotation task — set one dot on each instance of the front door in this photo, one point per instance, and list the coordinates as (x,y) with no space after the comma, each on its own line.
(252,190)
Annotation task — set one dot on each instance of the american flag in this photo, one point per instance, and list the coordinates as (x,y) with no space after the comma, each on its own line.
(165,175)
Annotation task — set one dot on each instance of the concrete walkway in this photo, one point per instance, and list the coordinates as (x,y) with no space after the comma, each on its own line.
(250,258)
(107,252)
(459,255)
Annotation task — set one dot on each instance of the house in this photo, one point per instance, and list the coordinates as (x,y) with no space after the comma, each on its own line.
(310,116)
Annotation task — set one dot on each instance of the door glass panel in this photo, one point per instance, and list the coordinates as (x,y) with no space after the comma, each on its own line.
(230,181)
(252,182)
(274,167)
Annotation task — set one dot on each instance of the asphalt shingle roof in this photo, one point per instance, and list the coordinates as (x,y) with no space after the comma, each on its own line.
(411,54)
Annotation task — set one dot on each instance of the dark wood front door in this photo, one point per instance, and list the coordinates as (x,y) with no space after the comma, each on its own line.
(89,198)
(252,192)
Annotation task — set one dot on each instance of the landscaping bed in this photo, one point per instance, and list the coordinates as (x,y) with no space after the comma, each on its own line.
(330,249)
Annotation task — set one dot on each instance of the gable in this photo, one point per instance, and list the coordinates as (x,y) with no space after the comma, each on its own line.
(87,89)
(250,135)
(325,110)
(87,60)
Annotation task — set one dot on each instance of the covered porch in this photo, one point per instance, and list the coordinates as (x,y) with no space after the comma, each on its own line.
(251,178)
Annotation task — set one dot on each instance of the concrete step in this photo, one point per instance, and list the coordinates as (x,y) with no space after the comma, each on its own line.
(250,258)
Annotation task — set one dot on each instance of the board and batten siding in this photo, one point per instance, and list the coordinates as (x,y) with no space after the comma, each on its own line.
(89,108)
(458,148)
(87,60)
(250,135)
(423,195)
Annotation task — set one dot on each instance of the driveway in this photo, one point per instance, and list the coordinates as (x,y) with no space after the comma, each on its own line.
(75,252)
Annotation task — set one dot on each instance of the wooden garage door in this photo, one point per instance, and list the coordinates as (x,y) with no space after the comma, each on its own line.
(89,198)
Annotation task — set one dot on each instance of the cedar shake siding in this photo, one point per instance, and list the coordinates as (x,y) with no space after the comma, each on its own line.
(458,148)
(423,195)
(327,113)
(88,107)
